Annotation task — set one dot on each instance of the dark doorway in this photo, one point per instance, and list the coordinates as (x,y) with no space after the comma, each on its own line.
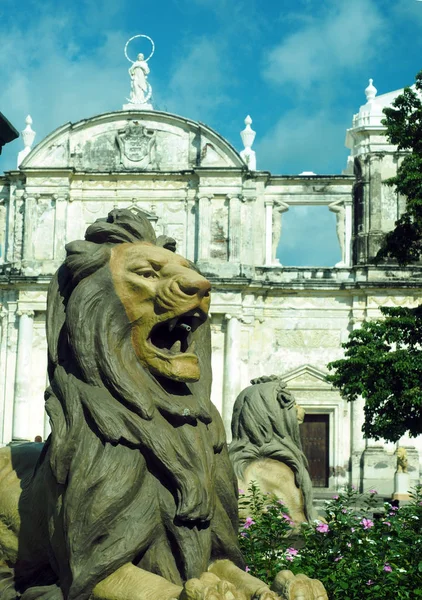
(314,433)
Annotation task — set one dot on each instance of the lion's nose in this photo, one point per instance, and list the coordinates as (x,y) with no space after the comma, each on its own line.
(198,286)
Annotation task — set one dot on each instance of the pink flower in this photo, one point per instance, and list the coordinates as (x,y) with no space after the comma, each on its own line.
(367,523)
(338,558)
(241,491)
(249,521)
(287,518)
(290,557)
(344,511)
(280,502)
(387,523)
(335,497)
(349,545)
(394,508)
(247,569)
(352,529)
(370,582)
(243,534)
(322,528)
(372,492)
(387,568)
(292,551)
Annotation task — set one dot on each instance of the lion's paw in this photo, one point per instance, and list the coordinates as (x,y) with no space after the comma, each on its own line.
(210,587)
(265,594)
(298,587)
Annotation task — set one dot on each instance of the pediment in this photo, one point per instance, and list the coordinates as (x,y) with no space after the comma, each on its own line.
(307,377)
(133,141)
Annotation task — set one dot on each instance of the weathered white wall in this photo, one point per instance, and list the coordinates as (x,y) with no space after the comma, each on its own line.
(265,319)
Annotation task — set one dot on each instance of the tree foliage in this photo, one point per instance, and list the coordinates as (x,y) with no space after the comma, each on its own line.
(383,364)
(404,129)
(383,359)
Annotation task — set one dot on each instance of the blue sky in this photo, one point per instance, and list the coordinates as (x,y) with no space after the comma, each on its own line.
(298,68)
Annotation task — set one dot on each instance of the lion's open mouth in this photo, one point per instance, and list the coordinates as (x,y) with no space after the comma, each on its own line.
(174,336)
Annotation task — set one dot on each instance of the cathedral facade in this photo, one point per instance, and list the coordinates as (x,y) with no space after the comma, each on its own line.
(225,216)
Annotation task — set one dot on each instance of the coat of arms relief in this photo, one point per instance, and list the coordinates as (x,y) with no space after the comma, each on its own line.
(137,146)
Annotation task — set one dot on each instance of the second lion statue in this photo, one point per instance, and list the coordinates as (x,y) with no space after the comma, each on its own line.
(133,496)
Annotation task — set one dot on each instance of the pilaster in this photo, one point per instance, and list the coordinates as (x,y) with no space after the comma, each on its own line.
(29,224)
(235,227)
(60,225)
(269,206)
(203,226)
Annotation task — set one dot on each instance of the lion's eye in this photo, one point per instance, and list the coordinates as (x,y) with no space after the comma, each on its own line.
(147,274)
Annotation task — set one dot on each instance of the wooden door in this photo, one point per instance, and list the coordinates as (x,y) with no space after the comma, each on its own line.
(314,433)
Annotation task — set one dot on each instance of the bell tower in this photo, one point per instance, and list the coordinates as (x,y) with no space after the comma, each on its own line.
(373,160)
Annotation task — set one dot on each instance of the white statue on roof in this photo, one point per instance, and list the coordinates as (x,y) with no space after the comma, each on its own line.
(138,72)
(141,90)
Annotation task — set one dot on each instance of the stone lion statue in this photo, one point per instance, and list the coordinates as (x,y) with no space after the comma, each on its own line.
(133,496)
(266,446)
(402,460)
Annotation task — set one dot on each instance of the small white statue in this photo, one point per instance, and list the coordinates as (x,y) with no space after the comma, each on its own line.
(138,72)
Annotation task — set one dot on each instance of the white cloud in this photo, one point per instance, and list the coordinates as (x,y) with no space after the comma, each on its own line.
(196,88)
(309,141)
(343,38)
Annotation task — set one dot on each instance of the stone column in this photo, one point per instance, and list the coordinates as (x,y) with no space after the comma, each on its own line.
(375,233)
(357,441)
(203,224)
(235,227)
(231,381)
(348,234)
(4,313)
(269,231)
(22,376)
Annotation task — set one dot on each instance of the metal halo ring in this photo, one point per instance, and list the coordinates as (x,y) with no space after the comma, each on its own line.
(139,36)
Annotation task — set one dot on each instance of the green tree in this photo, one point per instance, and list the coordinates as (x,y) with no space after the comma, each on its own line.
(404,129)
(383,359)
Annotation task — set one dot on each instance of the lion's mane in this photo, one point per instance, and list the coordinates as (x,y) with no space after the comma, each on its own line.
(265,425)
(113,423)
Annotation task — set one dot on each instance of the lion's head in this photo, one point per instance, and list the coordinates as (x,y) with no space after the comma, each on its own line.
(165,301)
(265,425)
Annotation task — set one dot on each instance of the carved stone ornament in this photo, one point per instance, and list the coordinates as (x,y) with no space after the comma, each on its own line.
(137,146)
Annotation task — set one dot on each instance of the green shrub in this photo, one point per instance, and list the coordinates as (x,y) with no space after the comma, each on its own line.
(354,554)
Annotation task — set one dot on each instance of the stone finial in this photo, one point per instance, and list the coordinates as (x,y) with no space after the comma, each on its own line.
(28,136)
(370,92)
(248,136)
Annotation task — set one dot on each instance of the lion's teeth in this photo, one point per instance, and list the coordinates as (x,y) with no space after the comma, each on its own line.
(177,347)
